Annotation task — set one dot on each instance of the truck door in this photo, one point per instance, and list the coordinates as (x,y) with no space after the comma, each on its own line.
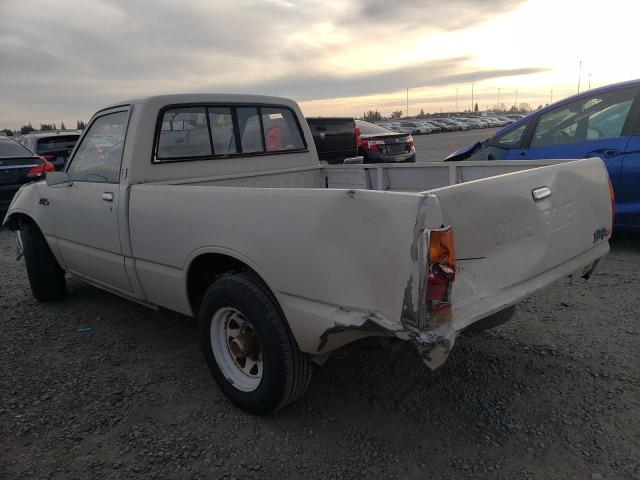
(86,210)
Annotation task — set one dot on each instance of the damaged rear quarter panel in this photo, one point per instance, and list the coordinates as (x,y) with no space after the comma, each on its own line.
(338,261)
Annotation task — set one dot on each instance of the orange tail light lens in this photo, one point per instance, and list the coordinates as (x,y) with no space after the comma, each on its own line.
(441,275)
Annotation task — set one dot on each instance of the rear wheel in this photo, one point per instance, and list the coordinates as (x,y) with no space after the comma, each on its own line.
(248,346)
(46,278)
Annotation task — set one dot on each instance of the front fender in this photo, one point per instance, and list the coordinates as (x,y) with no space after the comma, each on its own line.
(29,201)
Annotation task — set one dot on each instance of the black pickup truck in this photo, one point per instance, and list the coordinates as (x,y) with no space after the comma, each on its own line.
(335,138)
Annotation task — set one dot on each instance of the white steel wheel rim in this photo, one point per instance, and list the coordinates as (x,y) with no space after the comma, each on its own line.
(236,349)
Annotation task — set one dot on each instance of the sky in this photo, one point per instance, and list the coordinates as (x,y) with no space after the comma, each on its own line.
(62,60)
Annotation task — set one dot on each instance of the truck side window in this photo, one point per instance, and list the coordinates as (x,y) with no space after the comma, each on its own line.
(280,130)
(249,126)
(184,133)
(99,155)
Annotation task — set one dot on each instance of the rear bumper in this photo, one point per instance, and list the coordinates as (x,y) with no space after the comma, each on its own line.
(436,344)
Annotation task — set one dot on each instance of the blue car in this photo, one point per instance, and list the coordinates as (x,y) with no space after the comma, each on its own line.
(603,122)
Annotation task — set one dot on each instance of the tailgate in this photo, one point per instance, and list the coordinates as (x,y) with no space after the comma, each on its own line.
(508,244)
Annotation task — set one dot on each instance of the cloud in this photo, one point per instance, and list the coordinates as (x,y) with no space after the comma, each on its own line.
(434,14)
(317,86)
(64,60)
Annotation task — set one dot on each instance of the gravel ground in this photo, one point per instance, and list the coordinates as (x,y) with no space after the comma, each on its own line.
(98,387)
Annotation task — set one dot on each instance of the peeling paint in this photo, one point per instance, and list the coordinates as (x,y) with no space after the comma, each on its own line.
(409,313)
(367,326)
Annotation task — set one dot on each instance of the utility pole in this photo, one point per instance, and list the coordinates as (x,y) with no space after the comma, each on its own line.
(516,102)
(579,75)
(456,99)
(407,114)
(498,98)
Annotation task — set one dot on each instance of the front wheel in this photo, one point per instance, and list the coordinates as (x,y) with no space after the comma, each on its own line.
(46,278)
(248,346)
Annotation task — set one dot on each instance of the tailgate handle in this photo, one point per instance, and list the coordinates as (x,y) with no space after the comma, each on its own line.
(541,193)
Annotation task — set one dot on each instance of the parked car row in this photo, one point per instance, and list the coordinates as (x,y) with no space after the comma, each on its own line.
(418,126)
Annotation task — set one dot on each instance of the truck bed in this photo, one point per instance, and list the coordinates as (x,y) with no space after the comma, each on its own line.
(367,218)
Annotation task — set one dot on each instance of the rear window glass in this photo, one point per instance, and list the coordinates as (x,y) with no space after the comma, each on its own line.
(222,131)
(184,133)
(367,128)
(11,148)
(249,126)
(56,143)
(191,132)
(280,130)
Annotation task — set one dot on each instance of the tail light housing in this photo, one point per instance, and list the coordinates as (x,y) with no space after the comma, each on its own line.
(40,170)
(358,140)
(372,145)
(441,273)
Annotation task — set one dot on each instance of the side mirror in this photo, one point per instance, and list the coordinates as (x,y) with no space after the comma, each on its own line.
(57,178)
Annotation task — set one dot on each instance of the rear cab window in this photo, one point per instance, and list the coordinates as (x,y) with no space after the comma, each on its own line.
(218,131)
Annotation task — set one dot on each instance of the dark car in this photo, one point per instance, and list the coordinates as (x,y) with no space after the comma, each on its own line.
(335,138)
(18,165)
(603,122)
(55,147)
(380,145)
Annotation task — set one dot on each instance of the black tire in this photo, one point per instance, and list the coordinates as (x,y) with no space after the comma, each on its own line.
(286,370)
(45,275)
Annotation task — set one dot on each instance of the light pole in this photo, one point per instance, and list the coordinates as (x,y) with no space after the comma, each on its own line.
(456,99)
(579,74)
(471,96)
(407,102)
(498,98)
(589,81)
(551,97)
(516,102)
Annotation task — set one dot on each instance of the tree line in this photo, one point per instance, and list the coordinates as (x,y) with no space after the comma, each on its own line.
(44,127)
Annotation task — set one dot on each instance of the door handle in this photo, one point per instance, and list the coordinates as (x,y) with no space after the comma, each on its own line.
(611,153)
(107,197)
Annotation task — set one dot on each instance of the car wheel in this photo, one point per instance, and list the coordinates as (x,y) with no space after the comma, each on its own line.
(249,347)
(46,278)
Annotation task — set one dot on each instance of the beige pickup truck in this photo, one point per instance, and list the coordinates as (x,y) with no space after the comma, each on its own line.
(216,206)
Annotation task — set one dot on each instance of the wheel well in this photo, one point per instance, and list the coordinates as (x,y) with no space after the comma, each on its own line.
(16,219)
(206,269)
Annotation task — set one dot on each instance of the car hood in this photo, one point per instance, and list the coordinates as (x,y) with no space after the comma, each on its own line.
(463,153)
